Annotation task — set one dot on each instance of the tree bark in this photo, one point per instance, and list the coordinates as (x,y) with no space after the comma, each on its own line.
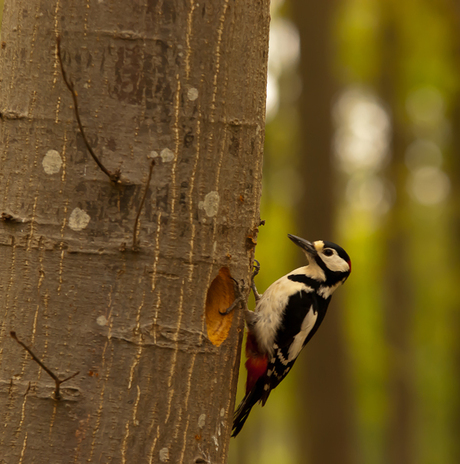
(135,312)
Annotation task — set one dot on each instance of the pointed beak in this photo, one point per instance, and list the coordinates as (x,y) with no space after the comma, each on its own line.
(304,244)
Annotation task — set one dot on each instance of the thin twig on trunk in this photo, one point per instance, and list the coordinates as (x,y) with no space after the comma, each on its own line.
(57,394)
(113,176)
(136,222)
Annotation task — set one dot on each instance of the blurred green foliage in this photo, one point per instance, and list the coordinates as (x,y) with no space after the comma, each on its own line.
(402,300)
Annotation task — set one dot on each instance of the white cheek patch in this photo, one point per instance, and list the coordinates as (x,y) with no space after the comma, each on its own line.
(335,263)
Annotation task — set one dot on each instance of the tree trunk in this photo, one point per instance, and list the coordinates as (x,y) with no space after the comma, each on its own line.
(399,297)
(324,416)
(132,308)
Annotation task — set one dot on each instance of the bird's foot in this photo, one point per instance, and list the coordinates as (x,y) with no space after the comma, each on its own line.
(257,295)
(239,297)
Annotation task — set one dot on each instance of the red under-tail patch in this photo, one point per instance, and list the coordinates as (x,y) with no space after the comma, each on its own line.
(256,363)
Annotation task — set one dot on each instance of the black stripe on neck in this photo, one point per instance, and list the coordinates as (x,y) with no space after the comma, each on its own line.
(304,280)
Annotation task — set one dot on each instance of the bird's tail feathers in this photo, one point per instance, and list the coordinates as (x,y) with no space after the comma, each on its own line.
(244,408)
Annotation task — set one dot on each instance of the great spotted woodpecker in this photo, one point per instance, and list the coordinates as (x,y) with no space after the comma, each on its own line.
(286,317)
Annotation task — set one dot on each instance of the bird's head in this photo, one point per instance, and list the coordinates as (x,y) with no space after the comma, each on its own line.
(327,261)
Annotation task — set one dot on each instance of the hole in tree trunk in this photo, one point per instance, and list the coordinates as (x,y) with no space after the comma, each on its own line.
(220,296)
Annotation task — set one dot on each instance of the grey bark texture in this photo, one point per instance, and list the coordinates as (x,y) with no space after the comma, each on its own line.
(180,82)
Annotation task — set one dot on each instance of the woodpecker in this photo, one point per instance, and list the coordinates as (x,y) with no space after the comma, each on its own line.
(286,317)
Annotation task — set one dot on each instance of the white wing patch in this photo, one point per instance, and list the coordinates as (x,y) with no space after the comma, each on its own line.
(307,324)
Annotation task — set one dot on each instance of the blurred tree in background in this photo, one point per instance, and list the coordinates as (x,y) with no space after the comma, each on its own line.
(362,148)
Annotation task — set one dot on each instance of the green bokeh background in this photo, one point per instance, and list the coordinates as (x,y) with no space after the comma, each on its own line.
(395,66)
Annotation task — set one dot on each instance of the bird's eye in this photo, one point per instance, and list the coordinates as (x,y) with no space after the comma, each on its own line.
(328,252)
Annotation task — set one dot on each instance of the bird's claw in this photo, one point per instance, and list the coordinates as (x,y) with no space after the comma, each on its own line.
(239,290)
(239,297)
(253,285)
(256,268)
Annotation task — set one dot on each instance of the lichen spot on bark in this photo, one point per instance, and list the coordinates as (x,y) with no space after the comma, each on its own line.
(79,219)
(52,162)
(167,155)
(221,295)
(192,93)
(210,204)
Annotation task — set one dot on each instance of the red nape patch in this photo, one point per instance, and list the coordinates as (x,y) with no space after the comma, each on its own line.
(256,363)
(349,263)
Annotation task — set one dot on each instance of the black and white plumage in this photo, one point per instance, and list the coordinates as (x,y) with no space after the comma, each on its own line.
(286,317)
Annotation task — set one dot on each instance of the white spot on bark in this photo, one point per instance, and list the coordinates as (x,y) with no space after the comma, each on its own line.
(153,154)
(166,155)
(210,203)
(216,442)
(202,421)
(222,412)
(101,320)
(192,94)
(52,162)
(164,454)
(79,219)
